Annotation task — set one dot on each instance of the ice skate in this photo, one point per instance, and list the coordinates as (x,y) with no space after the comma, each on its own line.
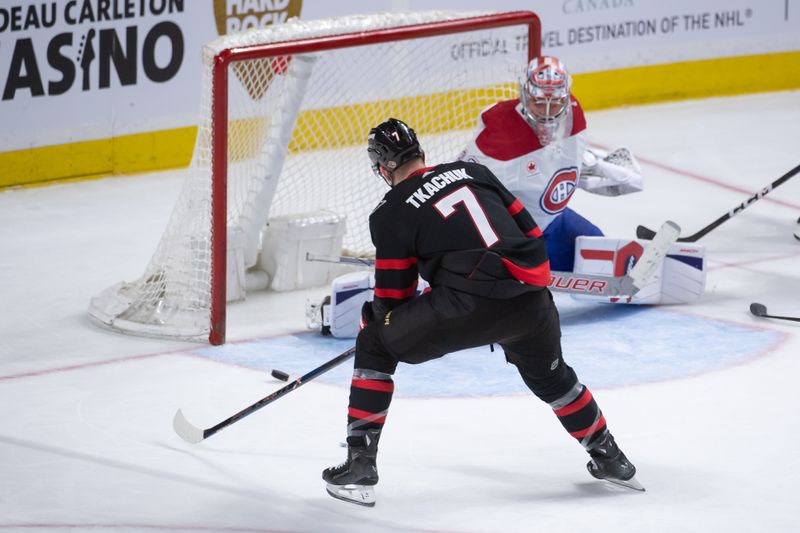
(610,464)
(354,480)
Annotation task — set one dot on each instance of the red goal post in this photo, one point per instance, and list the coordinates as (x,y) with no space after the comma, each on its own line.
(260,104)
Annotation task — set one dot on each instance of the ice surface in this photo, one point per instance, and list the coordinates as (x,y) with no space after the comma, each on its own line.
(701,397)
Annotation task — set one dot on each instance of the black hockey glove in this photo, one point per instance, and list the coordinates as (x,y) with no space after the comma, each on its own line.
(367,315)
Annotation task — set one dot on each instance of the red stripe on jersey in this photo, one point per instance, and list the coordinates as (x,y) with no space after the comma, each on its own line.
(575,406)
(373,384)
(420,171)
(397,294)
(515,208)
(366,415)
(395,264)
(535,232)
(605,255)
(594,428)
(538,275)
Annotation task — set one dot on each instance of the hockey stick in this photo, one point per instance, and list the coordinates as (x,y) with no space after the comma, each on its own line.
(193,434)
(594,284)
(646,233)
(760,310)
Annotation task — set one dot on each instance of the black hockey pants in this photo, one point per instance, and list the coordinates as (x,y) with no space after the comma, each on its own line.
(445,320)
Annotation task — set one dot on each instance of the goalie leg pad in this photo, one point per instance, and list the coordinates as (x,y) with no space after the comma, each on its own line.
(348,294)
(341,316)
(680,279)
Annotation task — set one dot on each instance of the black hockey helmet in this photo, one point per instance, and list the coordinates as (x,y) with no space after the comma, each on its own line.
(392,144)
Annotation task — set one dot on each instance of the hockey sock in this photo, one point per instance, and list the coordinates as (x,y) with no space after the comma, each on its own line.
(579,414)
(370,395)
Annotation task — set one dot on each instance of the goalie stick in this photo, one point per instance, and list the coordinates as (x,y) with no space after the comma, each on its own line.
(612,286)
(193,434)
(646,233)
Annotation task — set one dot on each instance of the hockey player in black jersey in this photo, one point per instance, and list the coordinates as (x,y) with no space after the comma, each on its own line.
(461,230)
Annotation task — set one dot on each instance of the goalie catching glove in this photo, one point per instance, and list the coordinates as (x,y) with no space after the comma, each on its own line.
(613,174)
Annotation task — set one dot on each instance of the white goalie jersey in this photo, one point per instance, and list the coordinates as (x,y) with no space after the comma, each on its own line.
(544,178)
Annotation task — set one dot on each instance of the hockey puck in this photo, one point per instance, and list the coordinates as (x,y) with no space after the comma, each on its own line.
(277,374)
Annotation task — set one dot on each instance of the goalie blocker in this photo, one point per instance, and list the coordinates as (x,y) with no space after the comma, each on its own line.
(679,279)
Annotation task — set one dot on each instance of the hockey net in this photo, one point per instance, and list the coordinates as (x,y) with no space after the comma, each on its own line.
(285,113)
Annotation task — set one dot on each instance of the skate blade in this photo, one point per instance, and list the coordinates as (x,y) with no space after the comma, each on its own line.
(631,483)
(357,494)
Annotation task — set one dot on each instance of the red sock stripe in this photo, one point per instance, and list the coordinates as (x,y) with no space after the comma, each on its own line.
(594,428)
(366,415)
(373,384)
(575,406)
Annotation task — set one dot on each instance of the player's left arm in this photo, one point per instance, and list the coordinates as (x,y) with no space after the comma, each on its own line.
(396,271)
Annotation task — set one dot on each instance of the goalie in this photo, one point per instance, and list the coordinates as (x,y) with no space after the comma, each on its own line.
(536,146)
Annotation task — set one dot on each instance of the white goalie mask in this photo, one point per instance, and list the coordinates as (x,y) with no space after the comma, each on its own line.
(544,94)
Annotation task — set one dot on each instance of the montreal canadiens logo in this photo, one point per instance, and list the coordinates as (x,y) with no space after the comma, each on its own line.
(560,189)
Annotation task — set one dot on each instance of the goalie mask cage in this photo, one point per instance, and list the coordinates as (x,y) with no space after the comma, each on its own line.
(285,114)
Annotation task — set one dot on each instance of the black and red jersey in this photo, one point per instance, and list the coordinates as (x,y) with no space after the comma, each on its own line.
(456,225)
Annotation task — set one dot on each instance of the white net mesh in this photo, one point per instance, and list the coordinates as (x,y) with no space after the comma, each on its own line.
(297,129)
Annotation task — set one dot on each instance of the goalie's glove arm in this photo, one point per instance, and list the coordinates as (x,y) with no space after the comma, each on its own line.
(612,174)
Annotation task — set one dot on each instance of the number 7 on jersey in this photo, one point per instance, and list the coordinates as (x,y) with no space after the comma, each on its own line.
(464,195)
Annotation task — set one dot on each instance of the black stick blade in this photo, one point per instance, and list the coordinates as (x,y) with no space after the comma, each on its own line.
(758,309)
(644,233)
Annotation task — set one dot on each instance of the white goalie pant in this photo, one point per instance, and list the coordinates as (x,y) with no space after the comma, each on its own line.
(680,279)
